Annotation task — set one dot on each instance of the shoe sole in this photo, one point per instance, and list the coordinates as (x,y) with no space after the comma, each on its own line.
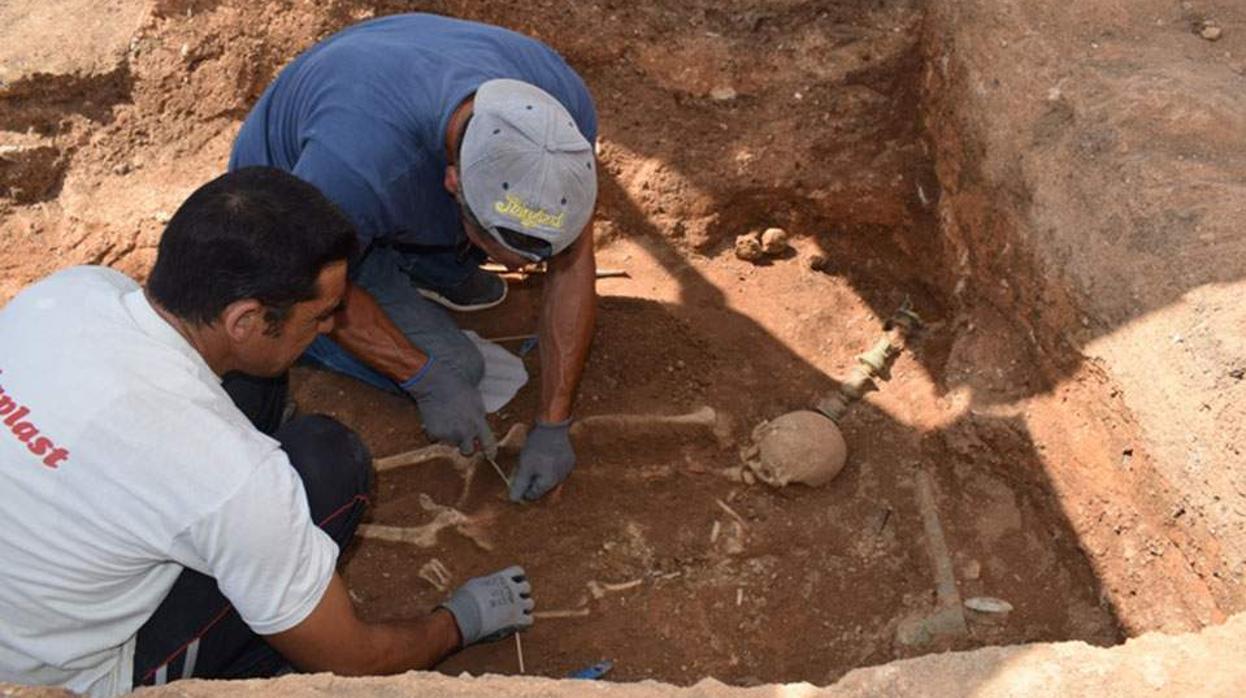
(446,302)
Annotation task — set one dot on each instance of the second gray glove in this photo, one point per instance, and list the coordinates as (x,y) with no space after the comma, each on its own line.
(451,408)
(493,606)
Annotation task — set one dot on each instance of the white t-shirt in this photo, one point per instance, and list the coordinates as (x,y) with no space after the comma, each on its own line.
(123,461)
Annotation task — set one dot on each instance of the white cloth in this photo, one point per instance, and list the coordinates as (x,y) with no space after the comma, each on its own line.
(504,373)
(123,461)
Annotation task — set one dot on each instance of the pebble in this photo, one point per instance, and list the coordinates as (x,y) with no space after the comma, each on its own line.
(774,241)
(973,570)
(1211,32)
(723,93)
(748,247)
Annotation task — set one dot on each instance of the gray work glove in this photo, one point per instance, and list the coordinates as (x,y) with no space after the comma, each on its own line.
(491,607)
(546,460)
(451,408)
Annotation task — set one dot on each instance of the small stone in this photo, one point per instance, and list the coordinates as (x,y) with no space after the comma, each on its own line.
(973,570)
(774,241)
(723,93)
(1211,32)
(748,247)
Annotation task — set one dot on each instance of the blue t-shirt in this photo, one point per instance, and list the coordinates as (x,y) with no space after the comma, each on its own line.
(362,116)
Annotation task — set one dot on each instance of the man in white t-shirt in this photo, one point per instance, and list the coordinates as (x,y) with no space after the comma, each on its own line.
(163,523)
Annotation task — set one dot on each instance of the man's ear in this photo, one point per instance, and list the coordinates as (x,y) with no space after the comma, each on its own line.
(451,181)
(243,320)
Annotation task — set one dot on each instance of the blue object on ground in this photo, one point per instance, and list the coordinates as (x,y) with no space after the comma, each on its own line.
(594,672)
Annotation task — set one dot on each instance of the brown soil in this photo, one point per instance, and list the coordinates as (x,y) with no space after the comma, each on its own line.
(717,119)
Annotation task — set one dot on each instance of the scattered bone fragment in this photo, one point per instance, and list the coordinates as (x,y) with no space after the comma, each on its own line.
(988,604)
(436,574)
(739,519)
(738,473)
(600,589)
(733,542)
(748,247)
(774,241)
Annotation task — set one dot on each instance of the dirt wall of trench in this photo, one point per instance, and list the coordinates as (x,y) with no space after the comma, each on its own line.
(1091,160)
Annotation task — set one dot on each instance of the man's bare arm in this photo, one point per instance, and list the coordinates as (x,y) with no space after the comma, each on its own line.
(334,639)
(363,329)
(568,314)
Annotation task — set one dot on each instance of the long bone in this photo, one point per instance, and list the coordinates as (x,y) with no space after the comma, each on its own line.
(704,417)
(425,536)
(513,440)
(466,466)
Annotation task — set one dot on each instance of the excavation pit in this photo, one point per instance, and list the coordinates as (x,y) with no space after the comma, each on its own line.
(858,127)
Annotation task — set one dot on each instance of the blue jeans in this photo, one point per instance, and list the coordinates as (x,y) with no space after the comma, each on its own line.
(390,277)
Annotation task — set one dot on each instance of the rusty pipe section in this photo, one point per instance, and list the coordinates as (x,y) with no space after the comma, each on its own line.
(900,329)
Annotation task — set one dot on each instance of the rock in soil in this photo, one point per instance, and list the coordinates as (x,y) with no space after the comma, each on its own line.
(748,247)
(774,241)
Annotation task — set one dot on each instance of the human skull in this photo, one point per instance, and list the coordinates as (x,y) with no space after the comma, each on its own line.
(802,446)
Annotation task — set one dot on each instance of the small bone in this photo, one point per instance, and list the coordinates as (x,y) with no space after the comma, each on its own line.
(600,589)
(436,574)
(562,613)
(729,510)
(702,417)
(738,473)
(733,543)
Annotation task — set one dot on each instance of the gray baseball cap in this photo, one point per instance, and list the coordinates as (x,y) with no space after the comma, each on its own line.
(526,172)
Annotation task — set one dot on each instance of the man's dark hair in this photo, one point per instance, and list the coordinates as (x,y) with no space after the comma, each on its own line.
(255,233)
